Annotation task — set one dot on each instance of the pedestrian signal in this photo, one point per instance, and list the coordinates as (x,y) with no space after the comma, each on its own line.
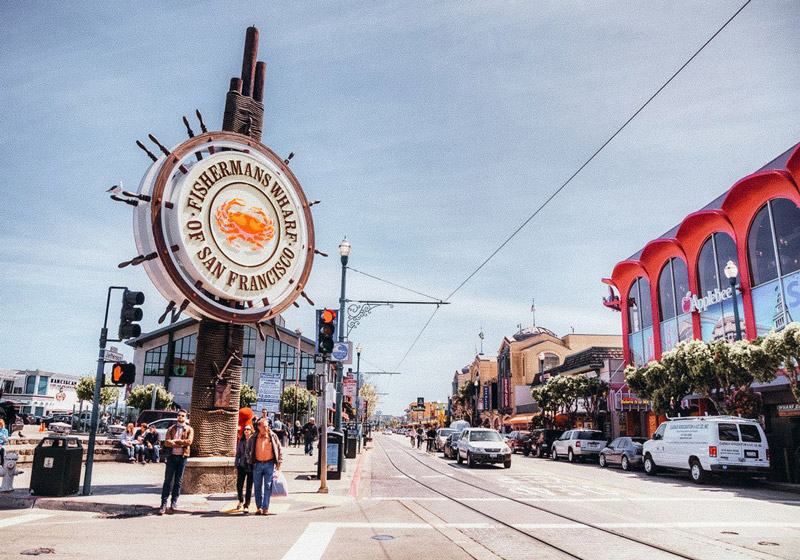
(129,314)
(123,374)
(326,330)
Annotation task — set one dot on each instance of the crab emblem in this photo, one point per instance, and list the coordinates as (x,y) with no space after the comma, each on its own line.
(248,224)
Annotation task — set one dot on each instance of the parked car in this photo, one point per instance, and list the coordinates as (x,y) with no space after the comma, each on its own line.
(150,416)
(516,440)
(623,451)
(578,444)
(482,445)
(451,445)
(60,418)
(708,444)
(540,442)
(161,426)
(441,437)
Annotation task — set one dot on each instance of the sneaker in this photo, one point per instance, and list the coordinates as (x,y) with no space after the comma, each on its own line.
(246,510)
(238,506)
(264,512)
(259,511)
(172,509)
(161,510)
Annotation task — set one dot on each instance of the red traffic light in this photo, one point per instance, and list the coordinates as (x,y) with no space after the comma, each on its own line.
(328,316)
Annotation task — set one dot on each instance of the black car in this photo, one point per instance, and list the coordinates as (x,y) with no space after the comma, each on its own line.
(540,442)
(451,445)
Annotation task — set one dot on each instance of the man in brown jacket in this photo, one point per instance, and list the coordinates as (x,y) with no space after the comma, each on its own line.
(178,441)
(265,455)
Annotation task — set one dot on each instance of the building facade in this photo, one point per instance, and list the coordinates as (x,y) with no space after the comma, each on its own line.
(39,392)
(166,357)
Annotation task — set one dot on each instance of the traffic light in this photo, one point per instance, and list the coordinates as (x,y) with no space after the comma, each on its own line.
(326,330)
(123,374)
(312,380)
(130,313)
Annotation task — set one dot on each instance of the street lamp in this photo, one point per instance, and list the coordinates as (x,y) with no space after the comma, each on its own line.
(298,359)
(344,252)
(358,395)
(285,364)
(731,273)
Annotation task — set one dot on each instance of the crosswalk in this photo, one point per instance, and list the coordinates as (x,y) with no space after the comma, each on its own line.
(25,518)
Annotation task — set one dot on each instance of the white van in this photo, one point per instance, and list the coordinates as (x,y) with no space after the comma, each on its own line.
(708,444)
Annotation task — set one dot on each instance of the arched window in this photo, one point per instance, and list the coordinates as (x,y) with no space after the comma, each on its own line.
(773,248)
(673,284)
(640,323)
(717,321)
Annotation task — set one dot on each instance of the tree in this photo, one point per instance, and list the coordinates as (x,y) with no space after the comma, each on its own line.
(466,398)
(784,346)
(296,403)
(369,393)
(593,391)
(141,397)
(85,391)
(248,396)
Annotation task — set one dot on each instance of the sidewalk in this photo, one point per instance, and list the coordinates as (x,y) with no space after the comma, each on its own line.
(133,489)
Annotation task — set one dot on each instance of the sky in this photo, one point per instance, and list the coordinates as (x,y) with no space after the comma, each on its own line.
(430,131)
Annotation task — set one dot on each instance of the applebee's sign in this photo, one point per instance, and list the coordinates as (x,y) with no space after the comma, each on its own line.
(692,303)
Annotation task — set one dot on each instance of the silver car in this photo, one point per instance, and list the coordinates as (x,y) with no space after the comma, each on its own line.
(482,445)
(623,451)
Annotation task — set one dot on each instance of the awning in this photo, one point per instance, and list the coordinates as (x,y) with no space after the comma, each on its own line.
(520,419)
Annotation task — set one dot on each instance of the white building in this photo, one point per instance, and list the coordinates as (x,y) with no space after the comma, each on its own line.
(39,392)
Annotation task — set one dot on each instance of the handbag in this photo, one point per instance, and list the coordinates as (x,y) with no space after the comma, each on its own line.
(279,486)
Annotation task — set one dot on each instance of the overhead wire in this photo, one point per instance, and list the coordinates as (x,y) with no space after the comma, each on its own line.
(571,177)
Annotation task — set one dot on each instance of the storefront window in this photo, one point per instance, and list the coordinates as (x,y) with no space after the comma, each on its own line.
(672,288)
(280,358)
(183,362)
(249,356)
(775,302)
(155,359)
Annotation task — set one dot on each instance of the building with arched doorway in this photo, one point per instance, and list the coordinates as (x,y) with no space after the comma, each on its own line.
(675,289)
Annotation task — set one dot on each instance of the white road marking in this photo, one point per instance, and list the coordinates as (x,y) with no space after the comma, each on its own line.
(664,525)
(28,517)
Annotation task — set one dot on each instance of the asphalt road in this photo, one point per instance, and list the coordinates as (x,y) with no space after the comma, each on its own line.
(414,505)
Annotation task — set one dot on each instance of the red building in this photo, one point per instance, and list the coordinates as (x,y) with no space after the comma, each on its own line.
(674,288)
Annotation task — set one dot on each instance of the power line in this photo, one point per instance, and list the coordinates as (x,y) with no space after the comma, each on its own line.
(571,177)
(395,285)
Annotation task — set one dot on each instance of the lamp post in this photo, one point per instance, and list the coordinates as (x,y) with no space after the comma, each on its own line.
(298,359)
(285,364)
(731,273)
(344,252)
(358,395)
(477,393)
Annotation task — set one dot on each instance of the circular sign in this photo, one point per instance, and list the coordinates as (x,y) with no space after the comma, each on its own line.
(61,395)
(340,351)
(230,226)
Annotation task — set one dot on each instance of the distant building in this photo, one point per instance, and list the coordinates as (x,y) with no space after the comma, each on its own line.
(39,392)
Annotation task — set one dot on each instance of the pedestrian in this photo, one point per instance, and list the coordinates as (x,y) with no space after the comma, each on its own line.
(244,471)
(3,441)
(412,435)
(310,433)
(152,444)
(431,437)
(296,432)
(264,454)
(419,436)
(128,442)
(179,439)
(278,428)
(139,447)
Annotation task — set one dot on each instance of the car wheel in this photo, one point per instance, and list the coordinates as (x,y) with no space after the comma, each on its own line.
(650,466)
(554,454)
(470,461)
(697,473)
(602,460)
(507,464)
(570,456)
(539,451)
(625,464)
(458,458)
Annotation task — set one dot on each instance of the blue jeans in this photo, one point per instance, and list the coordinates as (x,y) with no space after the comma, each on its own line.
(173,477)
(129,451)
(262,478)
(139,452)
(152,454)
(309,442)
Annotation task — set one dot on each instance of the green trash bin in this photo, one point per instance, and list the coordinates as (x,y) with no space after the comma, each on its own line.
(335,456)
(57,466)
(350,450)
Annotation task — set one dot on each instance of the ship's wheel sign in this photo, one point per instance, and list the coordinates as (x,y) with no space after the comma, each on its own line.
(231,227)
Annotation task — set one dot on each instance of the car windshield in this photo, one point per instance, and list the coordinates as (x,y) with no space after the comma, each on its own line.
(444,432)
(484,436)
(596,436)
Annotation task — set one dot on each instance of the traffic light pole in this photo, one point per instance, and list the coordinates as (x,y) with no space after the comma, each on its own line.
(98,384)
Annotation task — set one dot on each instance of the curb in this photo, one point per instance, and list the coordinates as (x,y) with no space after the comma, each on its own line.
(782,487)
(31,502)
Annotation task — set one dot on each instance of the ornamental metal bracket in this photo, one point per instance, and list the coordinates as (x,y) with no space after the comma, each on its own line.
(358,309)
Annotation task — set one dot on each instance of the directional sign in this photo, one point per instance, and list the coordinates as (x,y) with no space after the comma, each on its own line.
(112,356)
(342,352)
(269,391)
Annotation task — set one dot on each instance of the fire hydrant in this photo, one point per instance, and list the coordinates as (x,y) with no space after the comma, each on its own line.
(8,470)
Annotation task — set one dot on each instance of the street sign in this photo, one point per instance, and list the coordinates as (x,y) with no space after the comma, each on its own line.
(420,401)
(111,355)
(342,352)
(349,387)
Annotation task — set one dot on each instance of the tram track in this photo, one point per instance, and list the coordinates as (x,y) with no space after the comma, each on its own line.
(511,526)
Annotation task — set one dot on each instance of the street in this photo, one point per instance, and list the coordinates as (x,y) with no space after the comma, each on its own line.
(411,503)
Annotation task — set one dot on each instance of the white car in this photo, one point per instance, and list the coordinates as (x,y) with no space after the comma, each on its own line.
(482,445)
(708,444)
(578,444)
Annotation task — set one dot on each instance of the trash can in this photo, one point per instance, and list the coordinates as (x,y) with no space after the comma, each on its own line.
(350,450)
(57,466)
(335,457)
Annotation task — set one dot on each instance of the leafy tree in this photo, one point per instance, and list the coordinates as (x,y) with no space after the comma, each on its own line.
(547,404)
(296,402)
(369,393)
(594,390)
(85,391)
(141,397)
(247,396)
(784,346)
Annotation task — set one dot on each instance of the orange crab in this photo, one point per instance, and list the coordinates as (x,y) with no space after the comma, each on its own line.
(250,224)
